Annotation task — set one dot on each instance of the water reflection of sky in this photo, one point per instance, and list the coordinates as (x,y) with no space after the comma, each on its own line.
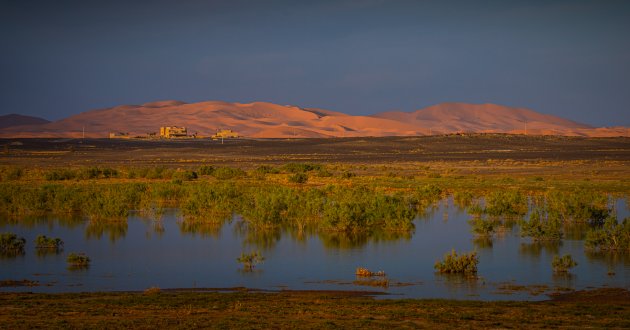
(141,253)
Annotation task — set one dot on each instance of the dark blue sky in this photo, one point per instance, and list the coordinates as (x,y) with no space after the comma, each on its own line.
(567,58)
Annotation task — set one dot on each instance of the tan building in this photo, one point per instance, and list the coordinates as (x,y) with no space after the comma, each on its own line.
(225,134)
(170,132)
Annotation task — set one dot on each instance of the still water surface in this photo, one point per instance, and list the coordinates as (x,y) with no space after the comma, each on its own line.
(144,253)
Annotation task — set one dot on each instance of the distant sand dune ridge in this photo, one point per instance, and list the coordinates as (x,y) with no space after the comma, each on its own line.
(268,120)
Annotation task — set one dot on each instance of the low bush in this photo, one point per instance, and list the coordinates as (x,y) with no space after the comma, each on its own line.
(11,244)
(250,260)
(563,264)
(541,227)
(458,264)
(611,236)
(298,178)
(78,260)
(206,170)
(184,175)
(43,242)
(482,227)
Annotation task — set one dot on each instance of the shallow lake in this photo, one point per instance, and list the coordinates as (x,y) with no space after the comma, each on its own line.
(143,253)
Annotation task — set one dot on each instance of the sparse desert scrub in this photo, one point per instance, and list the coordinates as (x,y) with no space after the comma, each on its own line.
(458,264)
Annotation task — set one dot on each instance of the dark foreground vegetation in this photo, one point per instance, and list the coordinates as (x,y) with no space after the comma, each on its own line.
(604,308)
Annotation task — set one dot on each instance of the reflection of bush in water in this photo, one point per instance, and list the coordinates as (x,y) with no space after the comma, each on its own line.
(264,238)
(608,258)
(483,242)
(536,248)
(209,227)
(115,229)
(350,240)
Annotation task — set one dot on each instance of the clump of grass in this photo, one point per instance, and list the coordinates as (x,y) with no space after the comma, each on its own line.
(347,175)
(60,175)
(364,272)
(563,264)
(225,173)
(458,264)
(184,175)
(267,169)
(11,244)
(43,242)
(298,178)
(301,167)
(78,260)
(206,170)
(250,260)
(324,173)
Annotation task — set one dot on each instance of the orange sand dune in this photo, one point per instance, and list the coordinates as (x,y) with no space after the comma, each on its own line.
(268,120)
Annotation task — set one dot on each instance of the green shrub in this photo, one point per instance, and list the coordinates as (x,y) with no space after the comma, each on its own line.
(11,244)
(43,242)
(454,264)
(541,227)
(482,227)
(509,203)
(298,178)
(250,260)
(78,260)
(563,264)
(611,236)
(577,206)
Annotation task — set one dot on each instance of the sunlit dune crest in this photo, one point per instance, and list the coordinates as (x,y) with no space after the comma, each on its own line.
(268,120)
